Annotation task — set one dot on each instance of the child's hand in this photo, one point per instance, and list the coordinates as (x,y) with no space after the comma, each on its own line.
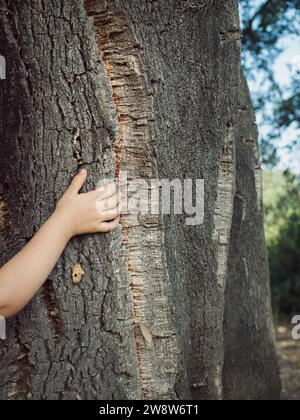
(76,214)
(94,212)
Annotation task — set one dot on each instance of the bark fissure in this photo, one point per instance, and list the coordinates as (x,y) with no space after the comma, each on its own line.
(142,237)
(53,310)
(20,389)
(5,216)
(222,228)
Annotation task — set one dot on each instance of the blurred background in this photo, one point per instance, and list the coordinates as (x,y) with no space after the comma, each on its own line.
(271,60)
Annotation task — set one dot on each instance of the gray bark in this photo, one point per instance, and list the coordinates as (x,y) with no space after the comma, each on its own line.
(250,370)
(150,87)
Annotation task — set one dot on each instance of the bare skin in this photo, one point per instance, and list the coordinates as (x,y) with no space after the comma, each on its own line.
(76,214)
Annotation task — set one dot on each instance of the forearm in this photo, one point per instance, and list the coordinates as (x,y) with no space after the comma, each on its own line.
(76,214)
(23,276)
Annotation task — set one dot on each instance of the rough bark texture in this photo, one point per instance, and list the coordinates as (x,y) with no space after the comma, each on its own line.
(150,87)
(250,370)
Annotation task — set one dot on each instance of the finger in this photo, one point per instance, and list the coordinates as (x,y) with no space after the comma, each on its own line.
(108,204)
(103,192)
(77,182)
(110,215)
(107,191)
(106,227)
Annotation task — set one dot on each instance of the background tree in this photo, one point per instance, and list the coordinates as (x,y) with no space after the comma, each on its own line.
(153,88)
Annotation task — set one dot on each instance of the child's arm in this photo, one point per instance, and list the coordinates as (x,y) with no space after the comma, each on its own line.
(76,214)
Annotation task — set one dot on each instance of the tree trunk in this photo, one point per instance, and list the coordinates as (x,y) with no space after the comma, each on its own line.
(150,87)
(248,374)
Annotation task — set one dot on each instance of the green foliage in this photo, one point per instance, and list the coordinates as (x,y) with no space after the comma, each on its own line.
(282,220)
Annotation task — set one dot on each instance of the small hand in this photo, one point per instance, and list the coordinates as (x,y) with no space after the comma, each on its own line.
(94,212)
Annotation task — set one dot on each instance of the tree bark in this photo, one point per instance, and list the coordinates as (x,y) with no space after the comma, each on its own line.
(248,374)
(150,87)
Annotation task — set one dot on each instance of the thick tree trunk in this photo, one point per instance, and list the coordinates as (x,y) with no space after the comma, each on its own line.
(150,87)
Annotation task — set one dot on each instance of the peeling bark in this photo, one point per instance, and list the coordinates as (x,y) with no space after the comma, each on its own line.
(151,88)
(222,227)
(142,236)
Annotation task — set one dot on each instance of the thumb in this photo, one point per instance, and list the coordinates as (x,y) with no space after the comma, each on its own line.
(78,182)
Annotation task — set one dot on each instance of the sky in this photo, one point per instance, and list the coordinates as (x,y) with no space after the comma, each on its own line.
(288,63)
(289,57)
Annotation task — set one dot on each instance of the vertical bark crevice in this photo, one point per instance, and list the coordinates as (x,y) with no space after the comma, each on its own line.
(221,234)
(142,237)
(224,205)
(53,311)
(258,176)
(21,390)
(5,215)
